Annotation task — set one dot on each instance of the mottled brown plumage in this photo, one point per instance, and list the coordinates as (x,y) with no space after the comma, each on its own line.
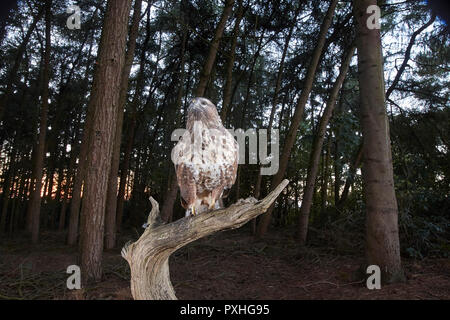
(205,158)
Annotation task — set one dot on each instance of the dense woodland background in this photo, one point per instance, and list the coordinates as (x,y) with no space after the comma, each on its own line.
(253,60)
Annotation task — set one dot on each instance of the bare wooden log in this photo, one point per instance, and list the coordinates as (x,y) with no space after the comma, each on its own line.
(148,257)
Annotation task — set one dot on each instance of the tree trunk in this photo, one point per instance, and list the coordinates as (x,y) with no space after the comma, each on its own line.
(148,257)
(227,92)
(298,114)
(325,177)
(317,148)
(111,202)
(169,200)
(34,205)
(72,234)
(5,201)
(208,65)
(140,83)
(68,184)
(104,101)
(382,239)
(337,165)
(7,188)
(62,212)
(351,176)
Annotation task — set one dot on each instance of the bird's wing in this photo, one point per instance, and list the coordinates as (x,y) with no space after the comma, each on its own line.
(184,169)
(186,182)
(232,158)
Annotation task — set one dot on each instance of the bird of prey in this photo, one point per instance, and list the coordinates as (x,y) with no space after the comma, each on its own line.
(205,158)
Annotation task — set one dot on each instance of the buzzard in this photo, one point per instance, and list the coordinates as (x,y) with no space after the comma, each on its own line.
(205,158)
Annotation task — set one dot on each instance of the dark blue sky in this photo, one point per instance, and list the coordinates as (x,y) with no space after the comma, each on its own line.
(441,8)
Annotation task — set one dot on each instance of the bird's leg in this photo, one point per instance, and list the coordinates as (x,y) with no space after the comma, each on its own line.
(190,212)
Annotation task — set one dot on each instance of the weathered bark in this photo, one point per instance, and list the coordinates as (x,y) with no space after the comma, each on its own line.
(111,202)
(382,239)
(208,65)
(107,80)
(34,205)
(317,148)
(148,257)
(298,114)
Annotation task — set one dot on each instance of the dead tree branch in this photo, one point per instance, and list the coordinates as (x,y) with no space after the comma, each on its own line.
(148,257)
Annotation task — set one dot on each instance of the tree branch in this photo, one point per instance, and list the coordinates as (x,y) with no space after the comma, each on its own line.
(148,257)
(408,55)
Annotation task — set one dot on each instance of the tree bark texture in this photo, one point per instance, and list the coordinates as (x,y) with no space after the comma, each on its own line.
(382,239)
(107,80)
(34,205)
(111,202)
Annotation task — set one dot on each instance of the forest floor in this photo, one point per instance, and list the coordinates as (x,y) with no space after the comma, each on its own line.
(227,265)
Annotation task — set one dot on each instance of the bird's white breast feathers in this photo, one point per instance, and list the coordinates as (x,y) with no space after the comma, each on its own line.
(209,154)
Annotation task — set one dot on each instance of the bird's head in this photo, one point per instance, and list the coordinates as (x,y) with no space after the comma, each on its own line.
(201,109)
